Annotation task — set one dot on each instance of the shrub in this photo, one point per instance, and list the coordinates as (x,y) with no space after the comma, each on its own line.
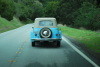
(7,9)
(88,17)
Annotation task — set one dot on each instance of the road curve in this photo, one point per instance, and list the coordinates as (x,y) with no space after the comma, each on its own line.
(16,51)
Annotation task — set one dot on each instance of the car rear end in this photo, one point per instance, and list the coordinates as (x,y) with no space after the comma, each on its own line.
(46,30)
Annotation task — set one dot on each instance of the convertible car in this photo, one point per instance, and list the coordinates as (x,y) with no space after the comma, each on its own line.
(45,30)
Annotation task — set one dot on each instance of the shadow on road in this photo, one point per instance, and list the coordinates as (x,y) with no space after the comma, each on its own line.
(37,64)
(46,45)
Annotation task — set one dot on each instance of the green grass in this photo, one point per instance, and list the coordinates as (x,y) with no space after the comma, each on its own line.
(91,39)
(6,25)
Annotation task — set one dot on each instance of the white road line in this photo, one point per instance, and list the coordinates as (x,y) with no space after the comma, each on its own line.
(79,52)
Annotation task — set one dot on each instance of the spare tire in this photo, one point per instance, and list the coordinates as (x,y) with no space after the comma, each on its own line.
(45,33)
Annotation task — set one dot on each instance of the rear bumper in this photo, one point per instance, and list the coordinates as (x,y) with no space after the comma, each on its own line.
(47,39)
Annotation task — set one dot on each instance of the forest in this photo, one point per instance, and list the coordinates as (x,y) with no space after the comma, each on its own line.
(73,13)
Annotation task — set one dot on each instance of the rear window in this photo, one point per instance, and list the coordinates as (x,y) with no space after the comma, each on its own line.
(45,23)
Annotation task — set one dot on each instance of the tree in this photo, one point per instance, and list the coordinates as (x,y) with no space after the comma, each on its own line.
(66,11)
(29,9)
(38,10)
(88,17)
(7,9)
(51,9)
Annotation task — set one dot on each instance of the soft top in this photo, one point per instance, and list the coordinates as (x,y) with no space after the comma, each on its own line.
(37,20)
(45,19)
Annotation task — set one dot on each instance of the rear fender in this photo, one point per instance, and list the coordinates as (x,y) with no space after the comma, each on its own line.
(56,31)
(60,34)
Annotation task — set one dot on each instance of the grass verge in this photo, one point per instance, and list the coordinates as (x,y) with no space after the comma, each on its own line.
(91,39)
(6,25)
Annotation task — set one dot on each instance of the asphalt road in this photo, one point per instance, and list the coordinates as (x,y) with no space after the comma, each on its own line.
(16,51)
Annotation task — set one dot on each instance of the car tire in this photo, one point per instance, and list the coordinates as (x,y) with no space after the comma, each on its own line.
(58,43)
(33,43)
(47,29)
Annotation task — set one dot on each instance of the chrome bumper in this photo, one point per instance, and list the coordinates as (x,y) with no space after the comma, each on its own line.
(46,39)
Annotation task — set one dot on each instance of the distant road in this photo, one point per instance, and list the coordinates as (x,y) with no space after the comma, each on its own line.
(16,51)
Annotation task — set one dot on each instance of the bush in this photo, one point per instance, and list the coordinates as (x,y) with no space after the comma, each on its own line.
(50,9)
(28,9)
(88,17)
(7,9)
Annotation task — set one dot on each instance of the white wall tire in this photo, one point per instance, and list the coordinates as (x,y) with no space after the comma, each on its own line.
(45,33)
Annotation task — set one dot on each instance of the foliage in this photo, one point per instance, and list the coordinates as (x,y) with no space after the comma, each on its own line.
(38,10)
(46,1)
(29,9)
(74,13)
(66,9)
(7,9)
(88,17)
(51,8)
(22,11)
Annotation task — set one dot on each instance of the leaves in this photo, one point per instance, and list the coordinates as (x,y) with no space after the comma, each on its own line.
(7,9)
(87,17)
(51,8)
(74,13)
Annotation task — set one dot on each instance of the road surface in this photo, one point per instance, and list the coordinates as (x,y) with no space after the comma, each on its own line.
(16,51)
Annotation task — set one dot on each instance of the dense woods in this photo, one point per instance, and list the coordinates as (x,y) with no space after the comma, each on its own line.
(74,13)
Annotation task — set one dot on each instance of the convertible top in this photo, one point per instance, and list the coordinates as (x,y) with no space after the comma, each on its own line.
(45,19)
(37,20)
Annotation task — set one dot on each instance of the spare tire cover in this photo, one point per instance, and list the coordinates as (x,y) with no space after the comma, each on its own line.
(45,33)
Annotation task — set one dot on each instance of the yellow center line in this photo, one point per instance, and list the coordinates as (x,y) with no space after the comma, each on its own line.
(12,61)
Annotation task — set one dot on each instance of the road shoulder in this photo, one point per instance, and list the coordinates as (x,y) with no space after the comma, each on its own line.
(83,48)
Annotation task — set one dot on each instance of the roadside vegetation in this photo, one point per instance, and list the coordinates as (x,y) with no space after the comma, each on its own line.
(73,13)
(89,38)
(6,25)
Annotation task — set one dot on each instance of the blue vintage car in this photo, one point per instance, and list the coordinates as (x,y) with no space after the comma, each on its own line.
(45,29)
